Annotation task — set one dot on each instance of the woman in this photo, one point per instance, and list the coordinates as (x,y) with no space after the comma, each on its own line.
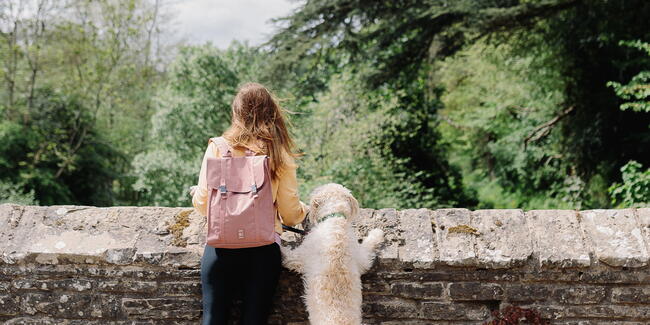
(258,123)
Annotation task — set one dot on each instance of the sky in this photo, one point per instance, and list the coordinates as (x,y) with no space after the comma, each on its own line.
(222,21)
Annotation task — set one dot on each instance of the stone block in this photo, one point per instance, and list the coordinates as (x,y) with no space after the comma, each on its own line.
(419,245)
(455,237)
(475,291)
(126,285)
(416,290)
(71,284)
(454,311)
(558,239)
(631,295)
(523,292)
(162,308)
(609,313)
(9,305)
(389,307)
(615,237)
(186,288)
(503,238)
(388,220)
(579,294)
(644,223)
(70,305)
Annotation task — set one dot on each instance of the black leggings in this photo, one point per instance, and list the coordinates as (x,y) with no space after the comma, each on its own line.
(253,272)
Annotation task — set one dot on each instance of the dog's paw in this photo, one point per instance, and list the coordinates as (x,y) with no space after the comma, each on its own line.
(375,237)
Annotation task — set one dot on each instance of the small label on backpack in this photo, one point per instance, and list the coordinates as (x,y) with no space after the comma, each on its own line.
(240,233)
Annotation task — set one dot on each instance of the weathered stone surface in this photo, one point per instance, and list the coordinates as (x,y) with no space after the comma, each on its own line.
(475,291)
(181,288)
(47,285)
(631,295)
(596,322)
(425,290)
(557,238)
(386,219)
(456,311)
(68,305)
(389,307)
(9,305)
(579,294)
(52,321)
(162,308)
(528,292)
(602,312)
(455,237)
(416,225)
(92,235)
(644,223)
(503,239)
(616,237)
(140,265)
(122,285)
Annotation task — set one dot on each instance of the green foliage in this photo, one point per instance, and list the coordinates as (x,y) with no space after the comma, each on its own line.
(495,102)
(358,138)
(192,107)
(637,91)
(528,124)
(396,37)
(489,104)
(13,193)
(57,154)
(76,82)
(335,133)
(635,189)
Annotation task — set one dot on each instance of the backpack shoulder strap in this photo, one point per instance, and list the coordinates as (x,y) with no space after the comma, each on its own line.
(224,148)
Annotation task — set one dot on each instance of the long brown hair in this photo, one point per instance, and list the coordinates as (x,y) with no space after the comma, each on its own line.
(258,123)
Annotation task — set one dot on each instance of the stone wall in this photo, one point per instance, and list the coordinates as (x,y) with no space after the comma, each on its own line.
(139,265)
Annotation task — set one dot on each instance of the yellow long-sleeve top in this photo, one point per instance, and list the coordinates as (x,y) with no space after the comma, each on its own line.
(289,210)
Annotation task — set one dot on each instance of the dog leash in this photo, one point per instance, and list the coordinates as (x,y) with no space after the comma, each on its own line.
(292,229)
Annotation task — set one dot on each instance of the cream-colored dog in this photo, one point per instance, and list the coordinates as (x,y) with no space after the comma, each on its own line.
(331,259)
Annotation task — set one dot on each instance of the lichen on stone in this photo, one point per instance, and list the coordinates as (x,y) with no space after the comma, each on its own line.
(464,229)
(181,221)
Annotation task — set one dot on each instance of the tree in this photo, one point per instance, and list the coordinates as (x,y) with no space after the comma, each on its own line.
(581,136)
(397,37)
(98,61)
(46,155)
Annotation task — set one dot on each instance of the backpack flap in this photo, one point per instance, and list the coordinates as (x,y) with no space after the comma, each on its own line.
(240,175)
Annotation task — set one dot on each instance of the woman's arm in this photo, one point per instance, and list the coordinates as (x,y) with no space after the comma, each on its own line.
(200,197)
(291,209)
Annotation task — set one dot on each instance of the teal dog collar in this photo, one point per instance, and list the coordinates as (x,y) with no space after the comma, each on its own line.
(330,215)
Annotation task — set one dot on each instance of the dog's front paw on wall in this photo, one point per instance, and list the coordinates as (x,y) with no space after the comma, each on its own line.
(375,237)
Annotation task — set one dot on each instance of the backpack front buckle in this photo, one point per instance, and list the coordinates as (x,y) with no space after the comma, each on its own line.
(222,189)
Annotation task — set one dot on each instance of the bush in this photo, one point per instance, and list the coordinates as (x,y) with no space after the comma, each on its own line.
(635,189)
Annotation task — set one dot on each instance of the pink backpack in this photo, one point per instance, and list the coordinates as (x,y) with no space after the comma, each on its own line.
(240,201)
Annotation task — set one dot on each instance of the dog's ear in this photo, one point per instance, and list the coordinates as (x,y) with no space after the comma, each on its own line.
(315,201)
(314,205)
(354,205)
